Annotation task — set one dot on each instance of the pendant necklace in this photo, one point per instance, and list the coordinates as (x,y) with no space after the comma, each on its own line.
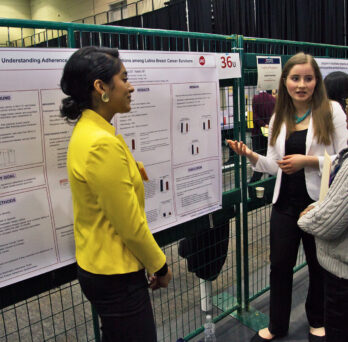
(300,119)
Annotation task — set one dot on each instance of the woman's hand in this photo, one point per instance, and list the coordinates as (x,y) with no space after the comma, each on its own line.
(292,163)
(309,208)
(243,150)
(239,147)
(155,282)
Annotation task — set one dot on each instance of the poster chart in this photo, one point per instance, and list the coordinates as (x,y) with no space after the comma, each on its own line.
(36,218)
(174,129)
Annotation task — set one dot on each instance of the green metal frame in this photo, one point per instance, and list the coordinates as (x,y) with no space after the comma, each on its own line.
(230,294)
(169,239)
(250,48)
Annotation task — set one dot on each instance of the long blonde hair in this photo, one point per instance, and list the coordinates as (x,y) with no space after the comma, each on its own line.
(321,109)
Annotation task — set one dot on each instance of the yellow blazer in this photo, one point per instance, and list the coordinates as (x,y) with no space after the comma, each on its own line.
(110,228)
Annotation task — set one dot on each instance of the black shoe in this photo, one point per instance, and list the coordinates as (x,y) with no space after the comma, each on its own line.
(258,338)
(315,338)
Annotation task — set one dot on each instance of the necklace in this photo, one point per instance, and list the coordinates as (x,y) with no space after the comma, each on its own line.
(300,119)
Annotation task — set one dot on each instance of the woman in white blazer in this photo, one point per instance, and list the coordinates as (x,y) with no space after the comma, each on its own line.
(304,125)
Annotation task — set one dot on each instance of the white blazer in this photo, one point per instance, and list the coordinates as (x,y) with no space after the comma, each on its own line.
(268,163)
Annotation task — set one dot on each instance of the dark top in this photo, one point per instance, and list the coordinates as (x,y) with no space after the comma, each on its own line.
(263,107)
(293,196)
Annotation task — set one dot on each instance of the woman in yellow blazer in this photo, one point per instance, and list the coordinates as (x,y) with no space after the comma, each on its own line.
(114,245)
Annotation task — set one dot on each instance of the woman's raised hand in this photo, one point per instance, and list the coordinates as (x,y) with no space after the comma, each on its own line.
(243,150)
(239,147)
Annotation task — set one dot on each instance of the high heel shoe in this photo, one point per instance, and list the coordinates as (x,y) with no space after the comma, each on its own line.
(315,338)
(258,338)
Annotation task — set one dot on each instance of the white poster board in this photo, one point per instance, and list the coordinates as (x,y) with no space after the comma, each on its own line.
(176,91)
(328,65)
(175,102)
(228,65)
(269,70)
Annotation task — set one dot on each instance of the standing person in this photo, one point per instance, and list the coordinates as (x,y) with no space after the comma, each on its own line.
(304,125)
(336,84)
(328,222)
(263,108)
(113,242)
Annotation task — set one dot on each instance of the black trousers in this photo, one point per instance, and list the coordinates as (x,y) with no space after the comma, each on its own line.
(123,304)
(336,308)
(285,240)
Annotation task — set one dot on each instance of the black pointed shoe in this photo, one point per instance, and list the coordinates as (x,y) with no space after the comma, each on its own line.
(258,338)
(315,338)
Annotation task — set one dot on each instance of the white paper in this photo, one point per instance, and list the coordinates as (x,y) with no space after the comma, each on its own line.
(269,70)
(328,65)
(325,177)
(228,65)
(173,128)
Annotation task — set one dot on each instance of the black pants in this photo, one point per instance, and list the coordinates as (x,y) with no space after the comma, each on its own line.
(123,304)
(285,239)
(336,308)
(259,144)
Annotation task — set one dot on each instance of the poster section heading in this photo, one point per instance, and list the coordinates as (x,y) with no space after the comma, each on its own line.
(173,128)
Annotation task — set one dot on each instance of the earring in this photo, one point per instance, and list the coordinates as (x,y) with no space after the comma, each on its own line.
(105,97)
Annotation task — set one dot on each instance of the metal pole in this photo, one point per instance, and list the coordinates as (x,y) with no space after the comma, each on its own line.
(244,179)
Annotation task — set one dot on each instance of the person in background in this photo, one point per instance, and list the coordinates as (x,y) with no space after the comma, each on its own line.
(263,108)
(304,125)
(113,242)
(336,84)
(328,222)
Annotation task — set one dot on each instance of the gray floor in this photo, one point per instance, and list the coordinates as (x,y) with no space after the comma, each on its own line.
(230,329)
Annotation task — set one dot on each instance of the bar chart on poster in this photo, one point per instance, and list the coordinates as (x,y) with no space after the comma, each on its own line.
(173,129)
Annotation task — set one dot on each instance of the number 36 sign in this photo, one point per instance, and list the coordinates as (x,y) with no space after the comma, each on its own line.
(228,65)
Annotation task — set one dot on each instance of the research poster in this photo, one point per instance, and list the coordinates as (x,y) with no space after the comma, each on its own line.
(328,65)
(173,129)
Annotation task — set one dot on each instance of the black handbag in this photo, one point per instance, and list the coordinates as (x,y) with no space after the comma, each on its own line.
(206,251)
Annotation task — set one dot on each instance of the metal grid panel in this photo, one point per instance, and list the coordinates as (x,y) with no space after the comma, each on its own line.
(287,47)
(19,37)
(61,314)
(61,317)
(255,214)
(64,314)
(178,309)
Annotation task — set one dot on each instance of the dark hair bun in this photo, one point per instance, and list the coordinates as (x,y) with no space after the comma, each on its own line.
(84,66)
(70,109)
